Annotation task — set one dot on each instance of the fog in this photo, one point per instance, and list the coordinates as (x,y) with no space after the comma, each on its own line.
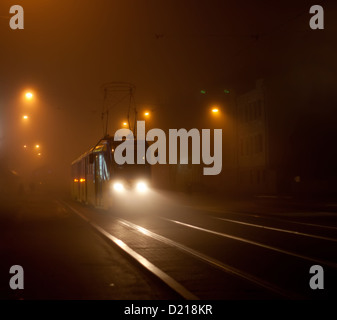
(170,51)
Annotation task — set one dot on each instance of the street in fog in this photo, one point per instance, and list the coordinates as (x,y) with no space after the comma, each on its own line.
(211,249)
(166,150)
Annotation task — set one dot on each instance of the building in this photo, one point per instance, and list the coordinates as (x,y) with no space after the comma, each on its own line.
(253,167)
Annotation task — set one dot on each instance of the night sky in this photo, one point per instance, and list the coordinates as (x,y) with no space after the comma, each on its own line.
(170,50)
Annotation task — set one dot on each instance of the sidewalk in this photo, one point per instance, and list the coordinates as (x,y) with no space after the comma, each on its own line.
(63,258)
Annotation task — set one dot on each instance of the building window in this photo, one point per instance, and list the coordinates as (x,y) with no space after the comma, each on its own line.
(251,145)
(255,144)
(260,143)
(259,108)
(246,147)
(250,112)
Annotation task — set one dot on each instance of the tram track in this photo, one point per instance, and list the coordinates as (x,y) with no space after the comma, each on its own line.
(163,276)
(136,257)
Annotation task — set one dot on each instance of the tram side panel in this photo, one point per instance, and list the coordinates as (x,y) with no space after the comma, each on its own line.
(75,191)
(91,197)
(102,180)
(82,181)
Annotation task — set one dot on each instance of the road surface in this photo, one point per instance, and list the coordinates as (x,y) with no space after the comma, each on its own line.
(201,251)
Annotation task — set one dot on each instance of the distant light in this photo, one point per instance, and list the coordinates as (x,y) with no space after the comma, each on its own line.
(25,117)
(147,113)
(75,180)
(29,95)
(118,187)
(37,146)
(141,187)
(82,180)
(215,110)
(125,124)
(25,146)
(39,154)
(226,91)
(203,91)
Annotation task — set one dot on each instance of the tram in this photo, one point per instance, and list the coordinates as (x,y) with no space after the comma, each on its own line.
(97,178)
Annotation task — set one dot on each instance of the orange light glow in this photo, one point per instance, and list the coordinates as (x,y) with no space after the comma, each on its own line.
(37,146)
(29,95)
(75,180)
(125,124)
(39,154)
(25,117)
(82,180)
(25,146)
(146,113)
(215,110)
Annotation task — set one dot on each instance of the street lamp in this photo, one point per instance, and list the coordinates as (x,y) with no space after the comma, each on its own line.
(37,146)
(215,110)
(25,117)
(29,95)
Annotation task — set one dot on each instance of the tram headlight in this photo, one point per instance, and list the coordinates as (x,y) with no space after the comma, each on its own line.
(118,187)
(141,187)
